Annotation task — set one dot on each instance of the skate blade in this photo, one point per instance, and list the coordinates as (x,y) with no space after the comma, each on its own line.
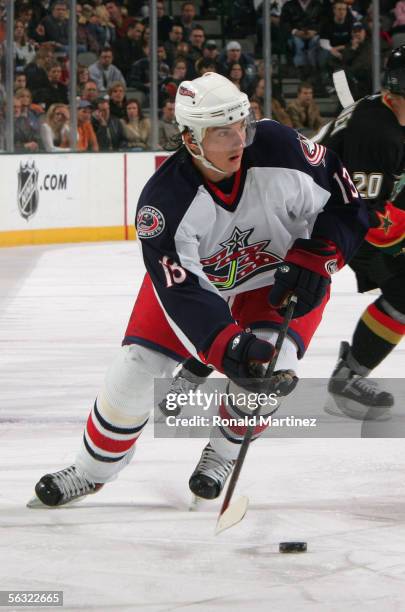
(195,503)
(342,407)
(232,515)
(36,504)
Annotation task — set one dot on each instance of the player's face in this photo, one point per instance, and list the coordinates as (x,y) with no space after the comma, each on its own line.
(398,105)
(223,146)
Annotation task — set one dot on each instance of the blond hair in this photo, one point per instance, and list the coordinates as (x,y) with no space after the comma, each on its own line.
(50,115)
(102,13)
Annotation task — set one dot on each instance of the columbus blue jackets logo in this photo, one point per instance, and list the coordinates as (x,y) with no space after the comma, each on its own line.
(149,222)
(28,194)
(238,260)
(314,153)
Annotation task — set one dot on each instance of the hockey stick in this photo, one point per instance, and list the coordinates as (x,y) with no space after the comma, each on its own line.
(230,514)
(345,98)
(342,88)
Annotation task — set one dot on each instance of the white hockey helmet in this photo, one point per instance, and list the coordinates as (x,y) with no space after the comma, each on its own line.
(212,100)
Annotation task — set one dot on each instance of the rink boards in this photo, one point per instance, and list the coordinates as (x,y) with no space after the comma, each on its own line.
(71,197)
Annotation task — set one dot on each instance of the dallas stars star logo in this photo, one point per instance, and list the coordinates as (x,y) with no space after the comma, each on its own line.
(386,222)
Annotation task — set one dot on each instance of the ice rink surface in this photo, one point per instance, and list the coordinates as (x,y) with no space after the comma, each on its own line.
(134,545)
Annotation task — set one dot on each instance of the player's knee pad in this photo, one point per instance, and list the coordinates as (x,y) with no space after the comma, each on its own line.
(129,382)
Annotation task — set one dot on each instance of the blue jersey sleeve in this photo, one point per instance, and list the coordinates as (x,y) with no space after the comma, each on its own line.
(344,218)
(193,306)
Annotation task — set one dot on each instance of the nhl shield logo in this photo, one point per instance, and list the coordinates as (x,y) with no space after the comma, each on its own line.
(27,189)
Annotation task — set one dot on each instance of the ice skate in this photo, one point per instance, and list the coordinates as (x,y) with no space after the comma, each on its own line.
(354,395)
(184,382)
(61,488)
(210,475)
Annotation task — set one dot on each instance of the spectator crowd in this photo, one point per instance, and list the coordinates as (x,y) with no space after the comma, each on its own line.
(315,37)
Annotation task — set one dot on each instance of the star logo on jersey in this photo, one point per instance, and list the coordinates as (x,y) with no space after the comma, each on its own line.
(237,240)
(386,222)
(237,260)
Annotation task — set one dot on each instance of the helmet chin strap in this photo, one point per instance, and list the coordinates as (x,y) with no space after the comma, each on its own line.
(205,162)
(202,157)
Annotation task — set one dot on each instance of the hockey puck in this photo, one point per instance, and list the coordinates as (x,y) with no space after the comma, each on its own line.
(292,547)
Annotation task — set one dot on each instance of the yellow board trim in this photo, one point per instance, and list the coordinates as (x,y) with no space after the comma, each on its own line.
(65,234)
(380,330)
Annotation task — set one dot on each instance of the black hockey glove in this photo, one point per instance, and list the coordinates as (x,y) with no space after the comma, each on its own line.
(308,286)
(240,356)
(245,357)
(306,273)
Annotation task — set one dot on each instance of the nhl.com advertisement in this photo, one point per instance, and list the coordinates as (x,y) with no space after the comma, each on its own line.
(34,183)
(69,196)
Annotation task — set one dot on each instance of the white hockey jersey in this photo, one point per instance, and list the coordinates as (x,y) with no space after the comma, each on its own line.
(201,246)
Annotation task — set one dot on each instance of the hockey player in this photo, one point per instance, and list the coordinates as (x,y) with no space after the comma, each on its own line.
(215,222)
(369,138)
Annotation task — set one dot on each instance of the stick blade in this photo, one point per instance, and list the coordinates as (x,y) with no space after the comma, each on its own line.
(342,88)
(232,515)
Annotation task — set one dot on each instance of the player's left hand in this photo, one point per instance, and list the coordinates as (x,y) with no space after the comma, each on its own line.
(306,273)
(309,287)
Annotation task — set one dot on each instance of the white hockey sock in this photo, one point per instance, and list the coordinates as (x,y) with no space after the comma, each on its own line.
(120,412)
(108,442)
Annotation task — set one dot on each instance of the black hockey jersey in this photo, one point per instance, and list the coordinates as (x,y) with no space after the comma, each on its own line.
(201,246)
(370,141)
